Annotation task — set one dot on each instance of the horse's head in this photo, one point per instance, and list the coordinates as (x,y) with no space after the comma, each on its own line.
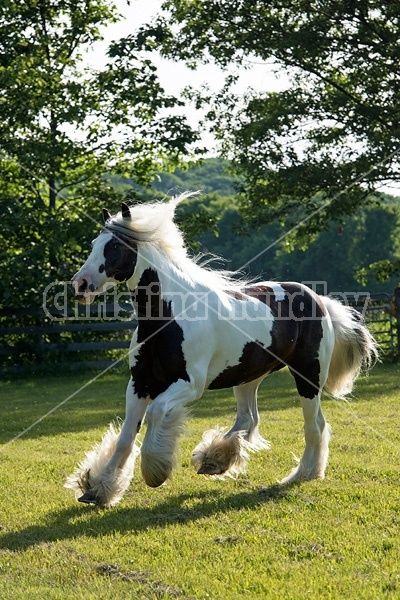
(112,259)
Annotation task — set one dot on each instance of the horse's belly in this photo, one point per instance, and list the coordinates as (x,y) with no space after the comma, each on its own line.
(254,362)
(244,353)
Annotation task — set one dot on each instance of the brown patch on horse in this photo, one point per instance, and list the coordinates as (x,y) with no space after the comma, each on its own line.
(160,360)
(296,338)
(120,257)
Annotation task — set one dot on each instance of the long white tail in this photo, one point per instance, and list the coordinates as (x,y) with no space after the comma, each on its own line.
(355,348)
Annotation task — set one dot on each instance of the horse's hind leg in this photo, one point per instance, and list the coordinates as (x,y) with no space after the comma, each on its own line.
(247,417)
(317,433)
(310,376)
(310,379)
(220,452)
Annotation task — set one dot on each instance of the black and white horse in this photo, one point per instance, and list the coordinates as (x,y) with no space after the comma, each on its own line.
(200,329)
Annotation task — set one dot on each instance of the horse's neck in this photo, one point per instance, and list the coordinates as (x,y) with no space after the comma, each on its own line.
(155,282)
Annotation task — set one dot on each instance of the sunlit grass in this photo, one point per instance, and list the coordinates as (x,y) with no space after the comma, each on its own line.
(196,537)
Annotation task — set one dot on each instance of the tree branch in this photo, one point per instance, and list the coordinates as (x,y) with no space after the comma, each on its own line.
(290,61)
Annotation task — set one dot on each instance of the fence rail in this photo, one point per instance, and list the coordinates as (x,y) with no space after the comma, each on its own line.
(380,315)
(32,337)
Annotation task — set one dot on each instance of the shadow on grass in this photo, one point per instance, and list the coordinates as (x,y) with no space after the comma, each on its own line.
(97,522)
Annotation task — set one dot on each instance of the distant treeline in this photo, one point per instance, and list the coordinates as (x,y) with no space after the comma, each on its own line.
(334,257)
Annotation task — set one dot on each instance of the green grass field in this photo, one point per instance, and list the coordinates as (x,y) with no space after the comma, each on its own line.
(198,538)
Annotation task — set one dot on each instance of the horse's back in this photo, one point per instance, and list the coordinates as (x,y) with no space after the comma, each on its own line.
(289,335)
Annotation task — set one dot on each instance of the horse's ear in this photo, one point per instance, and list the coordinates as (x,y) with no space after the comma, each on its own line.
(106,215)
(126,213)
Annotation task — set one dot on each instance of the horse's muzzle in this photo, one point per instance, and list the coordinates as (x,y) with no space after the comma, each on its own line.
(83,288)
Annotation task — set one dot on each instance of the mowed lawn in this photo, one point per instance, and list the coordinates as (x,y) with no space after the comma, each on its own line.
(196,537)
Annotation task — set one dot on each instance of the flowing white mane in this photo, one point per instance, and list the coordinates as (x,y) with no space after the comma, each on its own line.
(153,228)
(152,223)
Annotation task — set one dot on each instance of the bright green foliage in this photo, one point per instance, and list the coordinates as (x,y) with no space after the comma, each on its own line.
(197,538)
(63,127)
(381,270)
(315,151)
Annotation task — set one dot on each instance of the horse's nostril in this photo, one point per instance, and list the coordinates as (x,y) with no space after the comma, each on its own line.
(92,287)
(83,286)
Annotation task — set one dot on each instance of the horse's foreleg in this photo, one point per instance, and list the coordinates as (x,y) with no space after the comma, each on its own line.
(227,453)
(105,473)
(166,419)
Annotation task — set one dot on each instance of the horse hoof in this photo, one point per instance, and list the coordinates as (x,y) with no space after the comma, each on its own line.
(154,480)
(206,469)
(89,498)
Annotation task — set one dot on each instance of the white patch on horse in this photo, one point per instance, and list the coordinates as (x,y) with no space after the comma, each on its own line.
(279,292)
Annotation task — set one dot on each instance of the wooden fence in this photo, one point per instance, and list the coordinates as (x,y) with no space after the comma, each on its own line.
(381,312)
(93,334)
(99,335)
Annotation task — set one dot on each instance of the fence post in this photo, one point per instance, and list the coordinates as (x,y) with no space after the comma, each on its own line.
(397,305)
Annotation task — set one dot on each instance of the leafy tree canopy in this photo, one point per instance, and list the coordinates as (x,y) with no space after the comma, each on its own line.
(63,125)
(320,149)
